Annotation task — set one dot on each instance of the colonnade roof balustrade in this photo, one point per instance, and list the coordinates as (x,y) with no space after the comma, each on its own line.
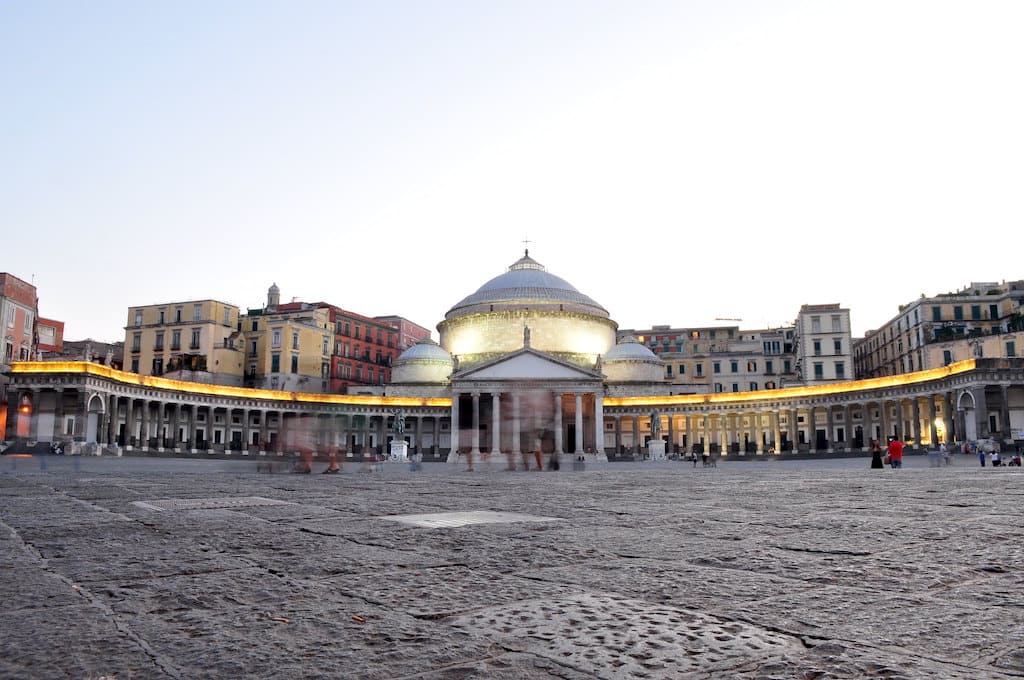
(99,370)
(797,392)
(722,398)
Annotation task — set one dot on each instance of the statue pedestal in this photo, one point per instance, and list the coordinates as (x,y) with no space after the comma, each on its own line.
(399,450)
(656,449)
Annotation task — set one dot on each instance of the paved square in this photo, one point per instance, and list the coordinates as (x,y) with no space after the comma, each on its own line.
(156,568)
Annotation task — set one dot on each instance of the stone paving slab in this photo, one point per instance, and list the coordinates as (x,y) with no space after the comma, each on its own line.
(143,568)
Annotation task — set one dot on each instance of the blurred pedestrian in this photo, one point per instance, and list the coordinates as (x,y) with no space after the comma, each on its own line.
(896,453)
(876,455)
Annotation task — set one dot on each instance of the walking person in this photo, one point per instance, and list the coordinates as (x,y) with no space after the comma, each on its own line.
(896,453)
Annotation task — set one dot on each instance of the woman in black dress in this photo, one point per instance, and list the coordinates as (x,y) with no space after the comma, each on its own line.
(876,455)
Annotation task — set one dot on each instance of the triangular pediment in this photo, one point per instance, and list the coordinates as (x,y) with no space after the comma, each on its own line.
(527,364)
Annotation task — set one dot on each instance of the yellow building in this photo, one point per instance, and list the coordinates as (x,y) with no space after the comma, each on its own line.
(288,347)
(196,340)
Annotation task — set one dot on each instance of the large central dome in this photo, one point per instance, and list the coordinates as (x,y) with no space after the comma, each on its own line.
(526,284)
(494,320)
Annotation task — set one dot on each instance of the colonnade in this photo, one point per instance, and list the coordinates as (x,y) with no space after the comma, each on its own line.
(99,407)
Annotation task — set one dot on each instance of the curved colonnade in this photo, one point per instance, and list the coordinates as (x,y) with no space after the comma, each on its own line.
(100,409)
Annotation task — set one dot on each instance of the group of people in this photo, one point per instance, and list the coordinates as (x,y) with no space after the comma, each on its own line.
(893,454)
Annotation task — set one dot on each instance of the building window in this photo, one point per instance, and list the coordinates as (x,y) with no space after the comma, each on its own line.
(718,387)
(295,339)
(177,315)
(357,333)
(837,346)
(734,366)
(135,364)
(958,313)
(159,346)
(936,313)
(176,340)
(840,370)
(682,369)
(787,366)
(753,387)
(993,311)
(138,318)
(197,312)
(158,365)
(275,338)
(815,324)
(295,363)
(137,342)
(837,324)
(255,325)
(161,315)
(1011,348)
(716,367)
(768,367)
(700,370)
(252,348)
(817,348)
(819,371)
(947,357)
(735,387)
(751,367)
(227,316)
(275,362)
(975,312)
(326,344)
(195,338)
(668,370)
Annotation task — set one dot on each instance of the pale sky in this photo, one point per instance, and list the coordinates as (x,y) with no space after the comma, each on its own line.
(676,161)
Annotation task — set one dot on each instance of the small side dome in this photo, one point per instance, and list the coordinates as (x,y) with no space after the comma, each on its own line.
(629,361)
(424,362)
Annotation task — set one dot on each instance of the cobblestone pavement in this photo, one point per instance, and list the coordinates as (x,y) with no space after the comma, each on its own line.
(147,568)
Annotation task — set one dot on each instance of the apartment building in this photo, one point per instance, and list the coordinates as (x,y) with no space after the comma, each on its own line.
(981,320)
(19,311)
(716,359)
(409,333)
(823,344)
(49,338)
(287,347)
(195,340)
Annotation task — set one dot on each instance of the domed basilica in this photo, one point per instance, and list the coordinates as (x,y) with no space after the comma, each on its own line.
(526,360)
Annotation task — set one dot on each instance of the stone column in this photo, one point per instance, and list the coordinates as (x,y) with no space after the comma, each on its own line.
(112,406)
(794,429)
(517,448)
(758,433)
(947,416)
(579,423)
(129,422)
(830,428)
(495,443)
(453,455)
(933,432)
(618,435)
(559,443)
(883,407)
(672,432)
(417,433)
(915,414)
(144,432)
(475,439)
(776,430)
(848,425)
(706,432)
(599,428)
(1004,415)
(58,416)
(636,434)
